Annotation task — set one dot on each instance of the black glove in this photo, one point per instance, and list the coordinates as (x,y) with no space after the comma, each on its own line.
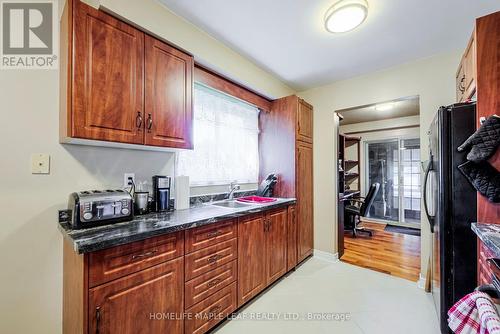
(484,178)
(484,142)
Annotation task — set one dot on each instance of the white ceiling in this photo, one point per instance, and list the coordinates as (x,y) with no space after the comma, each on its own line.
(403,107)
(287,37)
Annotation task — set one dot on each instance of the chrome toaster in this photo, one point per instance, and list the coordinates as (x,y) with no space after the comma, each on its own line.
(99,207)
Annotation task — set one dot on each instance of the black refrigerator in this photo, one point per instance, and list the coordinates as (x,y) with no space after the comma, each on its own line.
(450,205)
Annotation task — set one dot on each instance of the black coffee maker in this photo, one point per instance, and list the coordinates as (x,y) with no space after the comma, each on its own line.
(161,193)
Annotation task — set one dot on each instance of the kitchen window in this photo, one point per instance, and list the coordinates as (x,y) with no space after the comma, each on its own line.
(226,140)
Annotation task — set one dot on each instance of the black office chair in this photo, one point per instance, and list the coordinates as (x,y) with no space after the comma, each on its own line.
(359,208)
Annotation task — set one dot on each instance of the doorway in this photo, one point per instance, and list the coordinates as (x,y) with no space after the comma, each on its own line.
(380,144)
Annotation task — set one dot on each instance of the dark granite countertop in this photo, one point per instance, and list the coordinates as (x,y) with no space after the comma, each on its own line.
(149,225)
(489,235)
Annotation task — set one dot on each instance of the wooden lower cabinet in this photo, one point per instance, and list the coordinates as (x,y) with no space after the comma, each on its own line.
(131,304)
(251,258)
(276,245)
(152,286)
(262,249)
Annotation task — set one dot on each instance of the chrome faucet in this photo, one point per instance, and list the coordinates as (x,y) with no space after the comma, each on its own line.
(232,188)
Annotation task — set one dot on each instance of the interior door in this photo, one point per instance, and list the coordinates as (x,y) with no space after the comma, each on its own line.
(276,241)
(169,90)
(108,85)
(305,233)
(251,258)
(125,305)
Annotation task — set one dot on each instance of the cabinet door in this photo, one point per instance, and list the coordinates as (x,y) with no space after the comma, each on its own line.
(108,85)
(251,258)
(276,240)
(168,102)
(470,68)
(305,122)
(132,303)
(304,200)
(291,238)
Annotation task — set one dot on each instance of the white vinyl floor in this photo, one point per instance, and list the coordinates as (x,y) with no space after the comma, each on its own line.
(337,298)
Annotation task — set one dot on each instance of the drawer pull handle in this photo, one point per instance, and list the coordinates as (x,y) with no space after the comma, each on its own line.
(150,123)
(461,87)
(138,120)
(214,258)
(143,255)
(97,319)
(213,234)
(215,309)
(213,283)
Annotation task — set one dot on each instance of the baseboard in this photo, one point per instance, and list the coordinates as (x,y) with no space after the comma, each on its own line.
(421,282)
(325,256)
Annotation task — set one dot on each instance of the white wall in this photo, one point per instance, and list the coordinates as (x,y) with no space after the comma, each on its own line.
(433,79)
(30,244)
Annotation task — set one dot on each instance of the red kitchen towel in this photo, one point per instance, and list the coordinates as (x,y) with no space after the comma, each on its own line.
(474,313)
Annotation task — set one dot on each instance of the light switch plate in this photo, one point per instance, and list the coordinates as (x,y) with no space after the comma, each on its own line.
(40,163)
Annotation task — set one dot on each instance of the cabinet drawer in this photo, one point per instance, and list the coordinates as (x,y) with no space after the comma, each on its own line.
(205,236)
(211,311)
(205,285)
(204,260)
(116,262)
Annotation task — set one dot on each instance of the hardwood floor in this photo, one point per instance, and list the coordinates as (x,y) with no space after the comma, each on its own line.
(391,253)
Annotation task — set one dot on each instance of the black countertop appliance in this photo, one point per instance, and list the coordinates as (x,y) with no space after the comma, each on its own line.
(450,205)
(161,193)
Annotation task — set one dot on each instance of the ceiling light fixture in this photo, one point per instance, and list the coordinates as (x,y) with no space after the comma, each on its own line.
(384,107)
(345,15)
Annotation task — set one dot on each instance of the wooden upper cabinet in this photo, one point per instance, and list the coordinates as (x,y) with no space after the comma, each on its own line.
(169,89)
(305,122)
(108,82)
(123,86)
(304,200)
(276,245)
(125,305)
(251,258)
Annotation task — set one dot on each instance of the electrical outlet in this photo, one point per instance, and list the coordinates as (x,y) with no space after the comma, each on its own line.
(40,163)
(126,179)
